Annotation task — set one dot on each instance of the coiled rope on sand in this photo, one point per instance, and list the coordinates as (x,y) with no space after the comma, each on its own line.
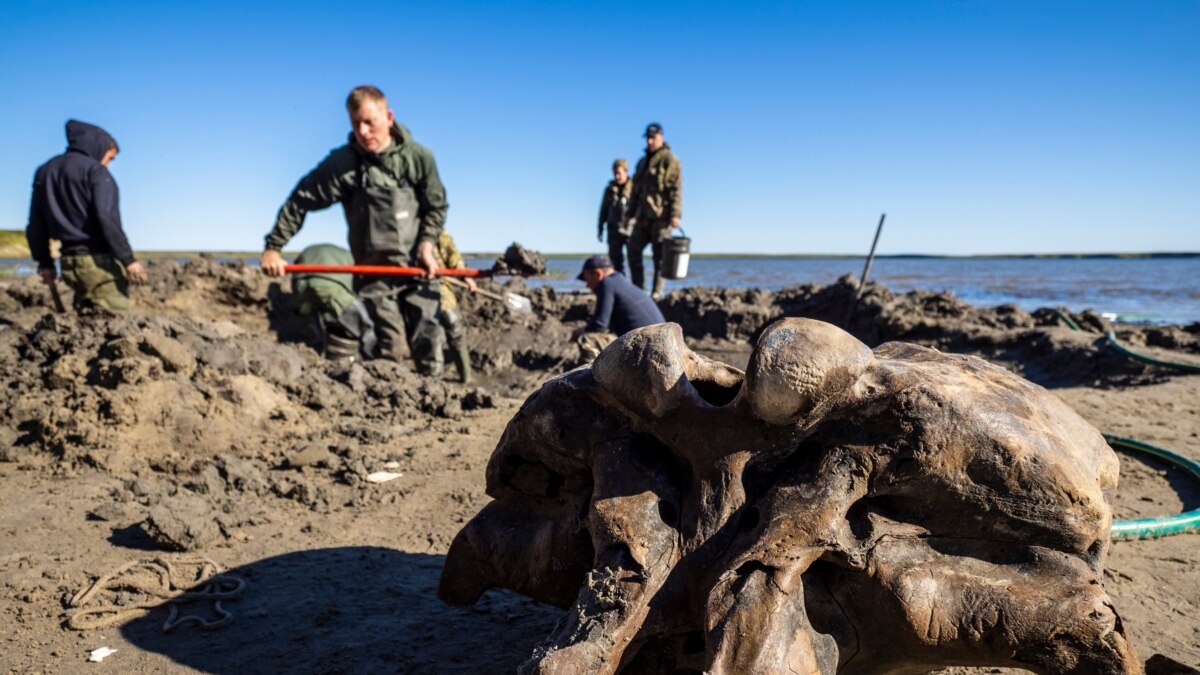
(165,582)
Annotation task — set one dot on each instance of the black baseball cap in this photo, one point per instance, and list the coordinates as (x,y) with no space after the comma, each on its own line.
(595,262)
(653,129)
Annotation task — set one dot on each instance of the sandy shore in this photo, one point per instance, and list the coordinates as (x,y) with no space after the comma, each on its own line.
(204,422)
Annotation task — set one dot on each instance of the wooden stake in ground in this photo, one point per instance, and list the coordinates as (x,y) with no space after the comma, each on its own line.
(866,270)
(58,303)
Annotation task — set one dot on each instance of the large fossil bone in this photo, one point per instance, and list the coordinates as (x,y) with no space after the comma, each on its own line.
(832,510)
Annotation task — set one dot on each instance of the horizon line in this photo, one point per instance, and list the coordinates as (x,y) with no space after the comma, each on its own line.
(784,256)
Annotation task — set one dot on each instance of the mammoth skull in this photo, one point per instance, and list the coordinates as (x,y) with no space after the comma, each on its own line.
(832,510)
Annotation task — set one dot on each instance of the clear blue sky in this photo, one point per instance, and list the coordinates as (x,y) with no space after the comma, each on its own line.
(978,127)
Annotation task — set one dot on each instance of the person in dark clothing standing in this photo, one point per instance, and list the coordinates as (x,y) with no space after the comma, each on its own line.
(612,214)
(620,308)
(395,207)
(655,207)
(75,201)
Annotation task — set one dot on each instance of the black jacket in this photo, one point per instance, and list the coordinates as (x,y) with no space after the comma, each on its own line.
(75,200)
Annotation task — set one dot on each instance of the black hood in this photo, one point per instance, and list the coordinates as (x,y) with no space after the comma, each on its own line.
(89,139)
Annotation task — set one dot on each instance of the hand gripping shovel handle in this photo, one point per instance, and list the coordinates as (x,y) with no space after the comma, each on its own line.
(383,270)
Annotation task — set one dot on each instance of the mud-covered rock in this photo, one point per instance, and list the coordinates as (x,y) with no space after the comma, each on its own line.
(520,261)
(182,523)
(175,356)
(310,454)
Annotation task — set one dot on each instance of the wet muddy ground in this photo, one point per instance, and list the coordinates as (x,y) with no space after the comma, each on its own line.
(204,425)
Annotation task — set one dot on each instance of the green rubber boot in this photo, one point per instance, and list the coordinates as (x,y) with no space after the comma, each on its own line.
(462,361)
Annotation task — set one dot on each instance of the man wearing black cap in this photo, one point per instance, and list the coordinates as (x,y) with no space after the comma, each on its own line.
(620,308)
(656,206)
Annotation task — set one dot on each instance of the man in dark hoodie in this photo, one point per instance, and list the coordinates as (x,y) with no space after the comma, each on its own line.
(395,208)
(75,201)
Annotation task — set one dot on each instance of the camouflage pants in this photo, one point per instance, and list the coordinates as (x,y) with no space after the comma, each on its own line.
(405,313)
(655,233)
(98,280)
(591,344)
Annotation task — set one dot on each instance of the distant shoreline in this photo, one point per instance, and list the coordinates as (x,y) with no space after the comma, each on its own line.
(776,256)
(12,246)
(15,253)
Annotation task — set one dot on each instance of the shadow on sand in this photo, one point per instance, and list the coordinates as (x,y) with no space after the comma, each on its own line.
(350,610)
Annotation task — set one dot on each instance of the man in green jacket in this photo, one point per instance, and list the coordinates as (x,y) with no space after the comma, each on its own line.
(395,207)
(656,206)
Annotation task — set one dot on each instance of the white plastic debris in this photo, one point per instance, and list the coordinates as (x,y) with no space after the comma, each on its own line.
(382,476)
(100,654)
(392,465)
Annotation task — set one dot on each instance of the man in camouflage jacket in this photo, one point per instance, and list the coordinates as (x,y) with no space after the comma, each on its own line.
(656,206)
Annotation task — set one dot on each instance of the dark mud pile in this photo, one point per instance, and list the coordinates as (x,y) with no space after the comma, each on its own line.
(196,402)
(212,388)
(1038,345)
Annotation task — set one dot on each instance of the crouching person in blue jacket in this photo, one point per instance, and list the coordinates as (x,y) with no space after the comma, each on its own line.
(620,308)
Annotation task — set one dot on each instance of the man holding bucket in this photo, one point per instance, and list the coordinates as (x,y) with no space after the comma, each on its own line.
(656,206)
(395,206)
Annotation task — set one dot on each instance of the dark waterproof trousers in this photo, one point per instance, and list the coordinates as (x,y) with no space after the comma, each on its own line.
(405,313)
(655,233)
(617,241)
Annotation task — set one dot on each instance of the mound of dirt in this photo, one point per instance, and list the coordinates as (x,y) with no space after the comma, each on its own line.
(189,399)
(205,422)
(216,357)
(1039,345)
(212,381)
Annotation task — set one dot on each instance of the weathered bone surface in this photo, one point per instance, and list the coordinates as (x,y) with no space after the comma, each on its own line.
(832,510)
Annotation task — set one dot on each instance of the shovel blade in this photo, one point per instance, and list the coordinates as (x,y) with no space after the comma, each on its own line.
(518,303)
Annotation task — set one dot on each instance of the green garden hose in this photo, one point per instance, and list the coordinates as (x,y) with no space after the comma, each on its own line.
(1115,344)
(1163,526)
(1129,353)
(1067,318)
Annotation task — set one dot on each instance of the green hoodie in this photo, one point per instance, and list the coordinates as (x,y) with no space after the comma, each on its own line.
(323,292)
(348,173)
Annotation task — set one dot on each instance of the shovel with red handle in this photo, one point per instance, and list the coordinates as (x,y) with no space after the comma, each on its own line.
(517,303)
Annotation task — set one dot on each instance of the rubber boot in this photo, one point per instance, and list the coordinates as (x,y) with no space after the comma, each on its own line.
(462,361)
(340,347)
